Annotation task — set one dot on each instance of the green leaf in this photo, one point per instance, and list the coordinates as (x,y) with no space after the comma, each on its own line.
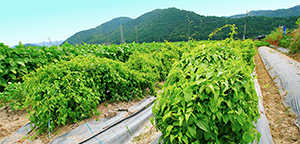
(182,101)
(172,138)
(185,139)
(187,117)
(207,135)
(181,120)
(192,130)
(225,118)
(240,120)
(247,137)
(169,130)
(196,142)
(219,115)
(24,70)
(202,88)
(209,75)
(152,121)
(202,125)
(168,115)
(21,63)
(226,86)
(14,71)
(179,137)
(188,134)
(219,73)
(200,81)
(188,96)
(1,57)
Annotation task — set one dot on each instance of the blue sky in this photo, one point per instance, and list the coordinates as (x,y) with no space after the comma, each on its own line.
(32,21)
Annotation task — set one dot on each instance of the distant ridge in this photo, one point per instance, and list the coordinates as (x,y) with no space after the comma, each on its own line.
(293,11)
(40,44)
(89,36)
(172,24)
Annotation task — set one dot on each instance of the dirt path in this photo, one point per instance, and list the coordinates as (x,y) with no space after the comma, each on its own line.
(282,127)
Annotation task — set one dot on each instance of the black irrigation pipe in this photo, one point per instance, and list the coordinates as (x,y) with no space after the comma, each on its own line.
(117,122)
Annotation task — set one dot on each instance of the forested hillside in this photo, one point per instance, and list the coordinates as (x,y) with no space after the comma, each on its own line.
(294,11)
(173,24)
(100,31)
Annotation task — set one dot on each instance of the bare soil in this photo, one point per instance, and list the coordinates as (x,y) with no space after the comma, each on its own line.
(283,129)
(12,121)
(149,133)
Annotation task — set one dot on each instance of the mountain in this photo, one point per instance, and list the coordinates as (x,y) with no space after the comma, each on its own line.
(88,36)
(293,11)
(40,44)
(173,24)
(161,24)
(29,45)
(47,44)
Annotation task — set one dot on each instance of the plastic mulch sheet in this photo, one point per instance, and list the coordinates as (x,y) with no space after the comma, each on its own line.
(285,72)
(118,129)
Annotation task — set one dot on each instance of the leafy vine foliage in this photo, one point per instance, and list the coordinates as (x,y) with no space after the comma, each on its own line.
(71,90)
(19,61)
(66,83)
(209,96)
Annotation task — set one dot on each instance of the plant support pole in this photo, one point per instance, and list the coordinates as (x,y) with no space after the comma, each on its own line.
(122,37)
(79,39)
(245,26)
(49,123)
(137,38)
(189,29)
(107,37)
(49,42)
(49,118)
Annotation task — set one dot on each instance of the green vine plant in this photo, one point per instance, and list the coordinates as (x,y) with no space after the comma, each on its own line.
(231,26)
(209,96)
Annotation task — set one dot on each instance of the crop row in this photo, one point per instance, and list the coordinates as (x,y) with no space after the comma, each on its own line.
(209,96)
(66,83)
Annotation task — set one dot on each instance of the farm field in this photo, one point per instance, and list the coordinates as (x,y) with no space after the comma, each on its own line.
(69,85)
(138,75)
(175,72)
